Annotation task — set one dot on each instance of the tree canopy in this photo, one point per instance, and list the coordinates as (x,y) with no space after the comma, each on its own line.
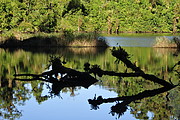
(110,16)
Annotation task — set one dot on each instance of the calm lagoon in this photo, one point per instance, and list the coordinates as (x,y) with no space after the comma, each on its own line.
(34,100)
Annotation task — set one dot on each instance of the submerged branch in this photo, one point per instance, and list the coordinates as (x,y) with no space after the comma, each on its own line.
(123,56)
(98,71)
(60,76)
(147,93)
(120,108)
(32,79)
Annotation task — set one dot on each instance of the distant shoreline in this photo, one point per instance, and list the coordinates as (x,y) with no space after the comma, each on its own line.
(66,39)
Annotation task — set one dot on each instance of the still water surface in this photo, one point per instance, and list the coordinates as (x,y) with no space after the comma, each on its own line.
(134,41)
(33,100)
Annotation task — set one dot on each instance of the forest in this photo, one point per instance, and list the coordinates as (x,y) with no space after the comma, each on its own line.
(107,16)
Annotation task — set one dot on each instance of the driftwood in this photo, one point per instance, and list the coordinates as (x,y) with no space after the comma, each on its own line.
(68,77)
(123,56)
(71,78)
(147,93)
(150,77)
(120,108)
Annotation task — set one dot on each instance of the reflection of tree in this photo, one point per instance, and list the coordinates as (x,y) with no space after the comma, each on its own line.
(13,94)
(9,97)
(175,101)
(120,108)
(158,105)
(16,93)
(37,92)
(60,76)
(8,110)
(25,62)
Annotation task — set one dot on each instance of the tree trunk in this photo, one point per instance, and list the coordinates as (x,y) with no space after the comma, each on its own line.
(174,24)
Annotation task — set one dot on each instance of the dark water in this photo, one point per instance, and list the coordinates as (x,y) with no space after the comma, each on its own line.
(34,100)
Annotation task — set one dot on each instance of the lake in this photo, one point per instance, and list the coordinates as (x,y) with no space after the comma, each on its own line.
(34,100)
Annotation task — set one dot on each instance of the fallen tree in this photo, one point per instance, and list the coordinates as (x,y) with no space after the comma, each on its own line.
(120,108)
(60,77)
(123,56)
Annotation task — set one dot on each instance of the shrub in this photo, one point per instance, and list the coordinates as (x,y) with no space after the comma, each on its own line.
(164,42)
(177,41)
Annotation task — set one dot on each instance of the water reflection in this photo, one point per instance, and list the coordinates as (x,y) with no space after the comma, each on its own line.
(131,41)
(154,61)
(60,76)
(142,40)
(121,107)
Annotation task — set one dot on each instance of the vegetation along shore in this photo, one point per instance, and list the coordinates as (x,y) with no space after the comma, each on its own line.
(65,39)
(84,16)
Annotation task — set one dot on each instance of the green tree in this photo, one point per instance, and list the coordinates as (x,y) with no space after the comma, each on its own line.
(110,16)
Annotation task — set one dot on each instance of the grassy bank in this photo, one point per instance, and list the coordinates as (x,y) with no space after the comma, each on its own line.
(65,38)
(164,42)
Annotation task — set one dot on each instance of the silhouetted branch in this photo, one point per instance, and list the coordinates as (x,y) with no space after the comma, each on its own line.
(120,108)
(178,63)
(121,55)
(68,77)
(144,94)
(98,71)
(32,77)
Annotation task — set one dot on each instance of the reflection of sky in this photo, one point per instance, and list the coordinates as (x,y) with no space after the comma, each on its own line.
(130,41)
(142,41)
(71,108)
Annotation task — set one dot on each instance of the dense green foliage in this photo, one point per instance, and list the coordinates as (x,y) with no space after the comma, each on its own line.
(110,16)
